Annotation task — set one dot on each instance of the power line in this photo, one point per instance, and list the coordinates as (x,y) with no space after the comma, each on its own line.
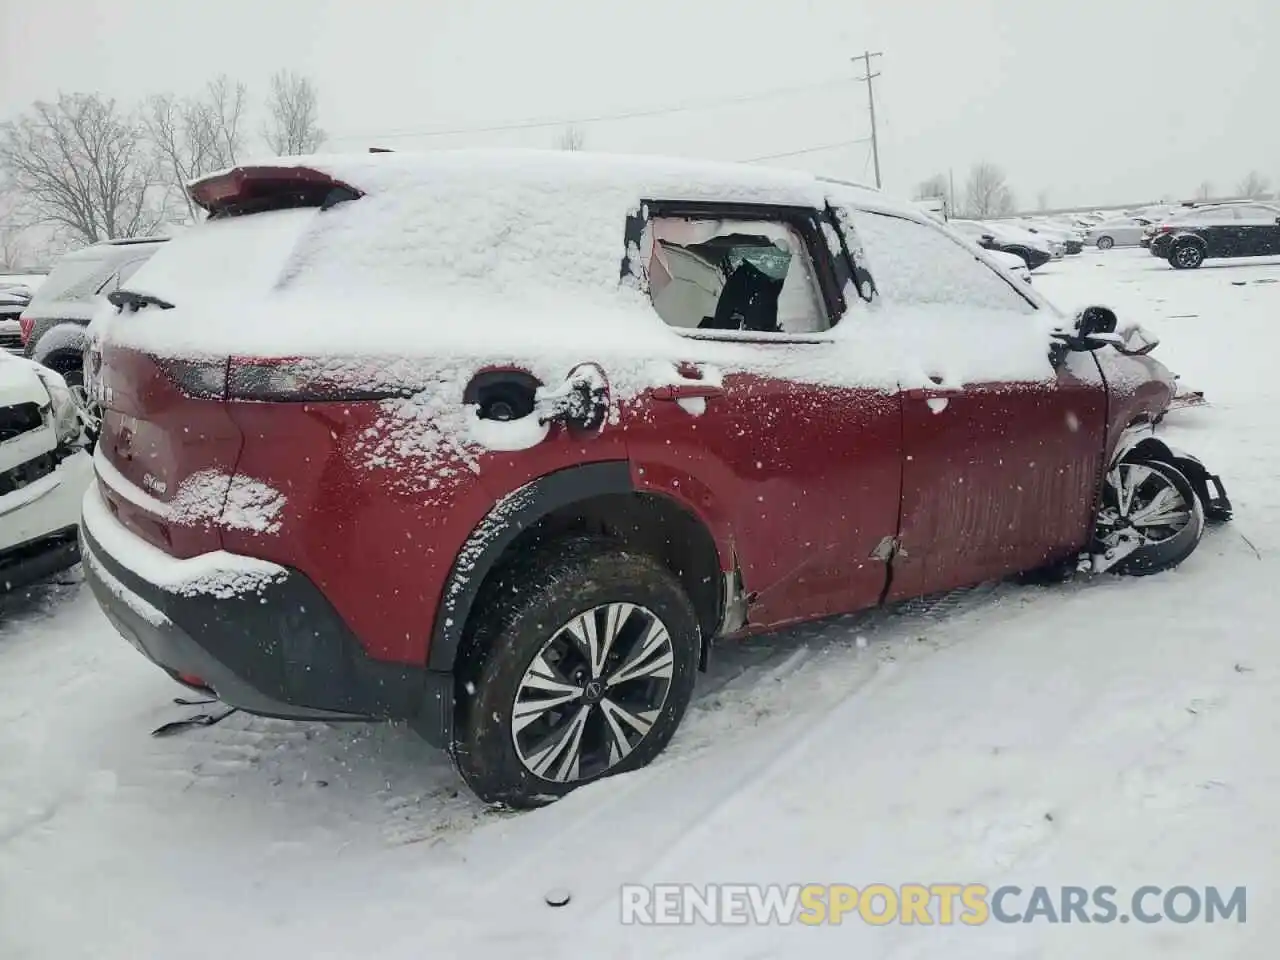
(603,118)
(796,153)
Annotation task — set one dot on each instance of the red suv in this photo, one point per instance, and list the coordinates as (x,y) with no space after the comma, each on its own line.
(500,442)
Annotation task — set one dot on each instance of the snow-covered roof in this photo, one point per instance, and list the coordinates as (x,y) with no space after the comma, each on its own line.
(509,221)
(650,176)
(639,176)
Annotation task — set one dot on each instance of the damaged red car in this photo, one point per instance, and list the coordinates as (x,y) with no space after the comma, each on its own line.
(501,443)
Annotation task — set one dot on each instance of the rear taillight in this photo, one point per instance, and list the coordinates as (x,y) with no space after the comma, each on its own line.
(204,380)
(25,325)
(278,380)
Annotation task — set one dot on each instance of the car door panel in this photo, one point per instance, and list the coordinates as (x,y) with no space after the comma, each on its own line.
(803,467)
(1259,231)
(807,475)
(1001,448)
(999,478)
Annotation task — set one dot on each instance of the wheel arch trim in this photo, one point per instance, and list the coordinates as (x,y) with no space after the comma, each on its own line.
(61,338)
(506,520)
(1139,443)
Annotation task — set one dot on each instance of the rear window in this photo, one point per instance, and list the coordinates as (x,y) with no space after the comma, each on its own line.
(76,278)
(221,258)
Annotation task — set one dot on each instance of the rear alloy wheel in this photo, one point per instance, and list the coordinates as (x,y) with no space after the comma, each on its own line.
(1187,255)
(582,667)
(1150,521)
(1105,243)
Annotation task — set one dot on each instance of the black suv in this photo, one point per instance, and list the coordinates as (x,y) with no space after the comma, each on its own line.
(1229,230)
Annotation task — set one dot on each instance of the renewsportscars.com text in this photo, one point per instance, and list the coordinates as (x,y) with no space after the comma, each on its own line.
(943,904)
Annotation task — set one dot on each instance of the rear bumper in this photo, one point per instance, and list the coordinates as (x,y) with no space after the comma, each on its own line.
(271,645)
(38,522)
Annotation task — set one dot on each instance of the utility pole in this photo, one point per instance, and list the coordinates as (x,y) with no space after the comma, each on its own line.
(871,102)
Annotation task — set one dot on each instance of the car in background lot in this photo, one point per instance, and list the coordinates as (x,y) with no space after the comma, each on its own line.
(520,525)
(44,472)
(13,300)
(1121,232)
(1220,231)
(1013,263)
(16,290)
(1034,251)
(52,326)
(1068,239)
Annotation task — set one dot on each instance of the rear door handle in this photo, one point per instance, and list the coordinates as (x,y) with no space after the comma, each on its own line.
(687,390)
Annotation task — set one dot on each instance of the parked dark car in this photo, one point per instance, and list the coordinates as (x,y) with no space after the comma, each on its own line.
(53,323)
(1229,230)
(991,237)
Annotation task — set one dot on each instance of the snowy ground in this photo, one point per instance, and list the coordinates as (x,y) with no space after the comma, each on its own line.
(1112,733)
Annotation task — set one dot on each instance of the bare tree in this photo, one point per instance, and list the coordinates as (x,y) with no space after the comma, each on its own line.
(293,127)
(13,248)
(1204,191)
(571,139)
(1254,185)
(198,135)
(1042,200)
(935,186)
(987,192)
(84,166)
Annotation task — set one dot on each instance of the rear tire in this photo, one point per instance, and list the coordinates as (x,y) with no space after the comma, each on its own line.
(1105,243)
(542,709)
(1187,255)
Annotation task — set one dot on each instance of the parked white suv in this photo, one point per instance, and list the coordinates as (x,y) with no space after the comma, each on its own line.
(44,472)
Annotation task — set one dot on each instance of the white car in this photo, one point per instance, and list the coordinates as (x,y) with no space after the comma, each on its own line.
(1122,232)
(44,472)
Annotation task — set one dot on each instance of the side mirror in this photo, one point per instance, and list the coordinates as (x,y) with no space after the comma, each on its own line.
(1095,327)
(1095,320)
(1138,342)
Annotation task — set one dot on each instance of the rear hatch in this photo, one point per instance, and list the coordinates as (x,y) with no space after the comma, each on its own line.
(169,445)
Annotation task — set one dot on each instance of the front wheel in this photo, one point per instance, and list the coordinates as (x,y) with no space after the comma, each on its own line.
(1150,520)
(1105,243)
(581,666)
(1186,256)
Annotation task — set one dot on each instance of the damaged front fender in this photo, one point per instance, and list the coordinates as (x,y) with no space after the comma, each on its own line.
(1141,444)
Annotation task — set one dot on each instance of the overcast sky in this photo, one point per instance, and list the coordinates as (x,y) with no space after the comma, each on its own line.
(1091,101)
